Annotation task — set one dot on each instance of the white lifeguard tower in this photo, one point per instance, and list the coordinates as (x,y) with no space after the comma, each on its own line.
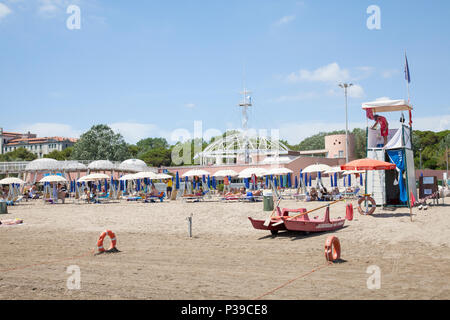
(391,187)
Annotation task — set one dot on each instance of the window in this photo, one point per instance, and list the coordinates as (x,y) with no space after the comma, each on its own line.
(341,153)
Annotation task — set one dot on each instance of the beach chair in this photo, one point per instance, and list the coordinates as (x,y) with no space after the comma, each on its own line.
(150,198)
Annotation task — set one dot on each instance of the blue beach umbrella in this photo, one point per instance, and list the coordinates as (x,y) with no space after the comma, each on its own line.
(214,183)
(203,178)
(349,180)
(306,179)
(331,180)
(247,184)
(275,182)
(209,182)
(177,181)
(289,180)
(267,181)
(310,180)
(361,179)
(335,179)
(296,182)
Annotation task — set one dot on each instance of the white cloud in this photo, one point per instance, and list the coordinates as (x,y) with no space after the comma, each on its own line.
(4,10)
(329,73)
(297,97)
(190,105)
(437,123)
(285,20)
(355,91)
(389,73)
(132,132)
(43,129)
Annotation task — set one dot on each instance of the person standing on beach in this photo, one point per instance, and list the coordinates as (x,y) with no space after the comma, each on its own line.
(169,187)
(384,126)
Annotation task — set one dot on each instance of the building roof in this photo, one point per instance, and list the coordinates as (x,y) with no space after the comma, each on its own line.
(39,140)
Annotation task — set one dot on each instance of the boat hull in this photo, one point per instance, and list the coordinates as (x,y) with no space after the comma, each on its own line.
(259,224)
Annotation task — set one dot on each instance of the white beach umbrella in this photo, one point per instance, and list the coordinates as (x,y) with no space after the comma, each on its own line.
(195,173)
(94,177)
(146,174)
(247,173)
(333,170)
(45,164)
(316,168)
(128,177)
(225,173)
(72,166)
(133,165)
(163,176)
(102,165)
(279,171)
(12,180)
(53,178)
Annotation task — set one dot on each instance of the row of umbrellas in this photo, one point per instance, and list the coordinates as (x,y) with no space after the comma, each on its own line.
(47,164)
(356,166)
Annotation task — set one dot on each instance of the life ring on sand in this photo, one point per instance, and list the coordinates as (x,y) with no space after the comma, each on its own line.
(332,249)
(372,208)
(112,236)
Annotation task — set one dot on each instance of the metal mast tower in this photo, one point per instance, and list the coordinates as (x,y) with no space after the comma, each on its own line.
(245,104)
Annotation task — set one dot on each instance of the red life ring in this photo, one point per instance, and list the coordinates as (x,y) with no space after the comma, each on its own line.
(372,208)
(332,249)
(110,234)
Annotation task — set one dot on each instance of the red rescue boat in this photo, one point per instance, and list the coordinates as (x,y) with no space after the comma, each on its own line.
(302,223)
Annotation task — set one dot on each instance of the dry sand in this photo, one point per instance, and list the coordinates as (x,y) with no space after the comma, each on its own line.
(226,258)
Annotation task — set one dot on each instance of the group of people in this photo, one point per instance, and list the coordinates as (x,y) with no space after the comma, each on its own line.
(322,194)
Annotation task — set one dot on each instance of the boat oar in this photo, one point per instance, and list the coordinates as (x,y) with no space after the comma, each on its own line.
(302,214)
(267,222)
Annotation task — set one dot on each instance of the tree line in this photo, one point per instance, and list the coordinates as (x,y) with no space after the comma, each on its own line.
(101,142)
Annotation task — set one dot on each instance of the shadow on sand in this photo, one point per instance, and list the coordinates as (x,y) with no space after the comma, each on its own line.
(297,235)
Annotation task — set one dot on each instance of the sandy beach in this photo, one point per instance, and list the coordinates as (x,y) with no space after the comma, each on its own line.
(225,259)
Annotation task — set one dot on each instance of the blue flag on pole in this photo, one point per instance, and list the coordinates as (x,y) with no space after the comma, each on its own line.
(407,75)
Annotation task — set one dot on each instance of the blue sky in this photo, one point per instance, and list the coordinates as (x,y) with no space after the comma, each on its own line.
(149,67)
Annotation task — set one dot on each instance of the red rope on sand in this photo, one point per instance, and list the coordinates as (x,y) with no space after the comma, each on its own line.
(292,280)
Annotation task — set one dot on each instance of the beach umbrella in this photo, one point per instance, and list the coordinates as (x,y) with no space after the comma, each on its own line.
(12,180)
(316,168)
(53,178)
(248,172)
(225,173)
(177,181)
(195,173)
(296,182)
(331,180)
(246,182)
(127,177)
(133,165)
(214,182)
(146,174)
(306,179)
(335,179)
(361,179)
(203,178)
(267,181)
(163,176)
(349,180)
(209,182)
(98,165)
(289,180)
(333,170)
(275,182)
(310,180)
(94,177)
(368,164)
(279,171)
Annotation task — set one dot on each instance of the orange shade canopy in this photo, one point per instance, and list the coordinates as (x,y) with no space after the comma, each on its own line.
(368,164)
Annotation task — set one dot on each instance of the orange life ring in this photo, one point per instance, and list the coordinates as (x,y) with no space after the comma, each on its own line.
(110,234)
(372,209)
(332,248)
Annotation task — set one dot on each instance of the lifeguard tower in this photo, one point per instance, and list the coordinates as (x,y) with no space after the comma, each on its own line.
(391,187)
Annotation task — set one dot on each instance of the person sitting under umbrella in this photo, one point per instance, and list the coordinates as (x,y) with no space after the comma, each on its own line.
(384,126)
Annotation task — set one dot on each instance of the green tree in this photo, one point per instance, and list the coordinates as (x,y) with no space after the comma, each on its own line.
(157,157)
(100,142)
(360,143)
(60,155)
(20,154)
